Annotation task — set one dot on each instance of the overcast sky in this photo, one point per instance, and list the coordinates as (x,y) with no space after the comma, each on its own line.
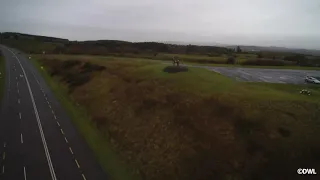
(289,23)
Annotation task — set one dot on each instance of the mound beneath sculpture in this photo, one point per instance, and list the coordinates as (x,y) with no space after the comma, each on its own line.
(175,69)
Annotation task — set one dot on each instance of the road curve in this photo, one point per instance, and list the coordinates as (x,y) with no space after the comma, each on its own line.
(37,139)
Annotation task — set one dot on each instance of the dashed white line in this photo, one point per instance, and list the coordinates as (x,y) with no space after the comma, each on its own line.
(18,101)
(61,131)
(70,150)
(17,83)
(53,174)
(52,111)
(21,139)
(4,156)
(3,169)
(66,140)
(4,144)
(19,115)
(84,177)
(25,173)
(58,123)
(55,117)
(77,163)
(49,106)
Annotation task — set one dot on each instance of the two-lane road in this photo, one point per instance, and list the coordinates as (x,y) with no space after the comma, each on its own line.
(37,139)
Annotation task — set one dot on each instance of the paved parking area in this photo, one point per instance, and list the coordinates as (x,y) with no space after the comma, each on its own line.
(265,75)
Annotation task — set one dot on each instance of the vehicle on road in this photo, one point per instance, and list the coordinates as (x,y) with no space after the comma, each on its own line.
(310,79)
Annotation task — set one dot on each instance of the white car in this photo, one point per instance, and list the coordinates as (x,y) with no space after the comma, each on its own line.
(310,79)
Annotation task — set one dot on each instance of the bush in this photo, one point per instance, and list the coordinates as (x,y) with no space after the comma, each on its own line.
(231,60)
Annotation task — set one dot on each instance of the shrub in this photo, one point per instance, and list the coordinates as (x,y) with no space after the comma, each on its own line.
(231,60)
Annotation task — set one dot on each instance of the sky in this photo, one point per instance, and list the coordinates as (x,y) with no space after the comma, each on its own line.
(286,23)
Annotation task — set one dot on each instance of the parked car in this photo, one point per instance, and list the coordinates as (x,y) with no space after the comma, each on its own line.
(310,79)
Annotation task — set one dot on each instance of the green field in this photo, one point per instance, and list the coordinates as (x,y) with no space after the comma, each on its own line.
(143,122)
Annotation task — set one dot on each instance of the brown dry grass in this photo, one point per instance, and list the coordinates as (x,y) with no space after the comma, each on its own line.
(197,125)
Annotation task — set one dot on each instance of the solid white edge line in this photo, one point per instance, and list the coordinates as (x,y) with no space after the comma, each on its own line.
(25,173)
(53,175)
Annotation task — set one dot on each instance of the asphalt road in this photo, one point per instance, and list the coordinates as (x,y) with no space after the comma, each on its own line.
(285,76)
(37,139)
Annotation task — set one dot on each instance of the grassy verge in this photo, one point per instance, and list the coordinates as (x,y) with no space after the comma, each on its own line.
(166,59)
(112,165)
(196,124)
(2,76)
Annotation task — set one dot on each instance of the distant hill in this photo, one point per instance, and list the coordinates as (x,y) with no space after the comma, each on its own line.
(278,49)
(13,35)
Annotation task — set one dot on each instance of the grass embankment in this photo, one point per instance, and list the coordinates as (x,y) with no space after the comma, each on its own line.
(101,148)
(191,125)
(167,59)
(2,76)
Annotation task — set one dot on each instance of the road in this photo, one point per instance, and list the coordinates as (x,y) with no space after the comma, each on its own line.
(37,139)
(285,76)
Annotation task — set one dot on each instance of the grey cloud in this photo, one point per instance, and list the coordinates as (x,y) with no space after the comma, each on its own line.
(291,23)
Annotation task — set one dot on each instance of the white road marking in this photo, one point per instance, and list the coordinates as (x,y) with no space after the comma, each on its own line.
(58,123)
(48,102)
(17,84)
(25,173)
(49,106)
(66,140)
(84,177)
(18,101)
(20,115)
(77,163)
(70,150)
(4,144)
(53,174)
(21,139)
(61,131)
(4,155)
(18,91)
(55,117)
(3,169)
(52,111)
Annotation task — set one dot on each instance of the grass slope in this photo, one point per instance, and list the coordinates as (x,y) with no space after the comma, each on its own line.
(190,125)
(102,149)
(168,58)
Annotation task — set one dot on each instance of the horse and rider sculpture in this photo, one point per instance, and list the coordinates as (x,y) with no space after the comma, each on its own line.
(175,61)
